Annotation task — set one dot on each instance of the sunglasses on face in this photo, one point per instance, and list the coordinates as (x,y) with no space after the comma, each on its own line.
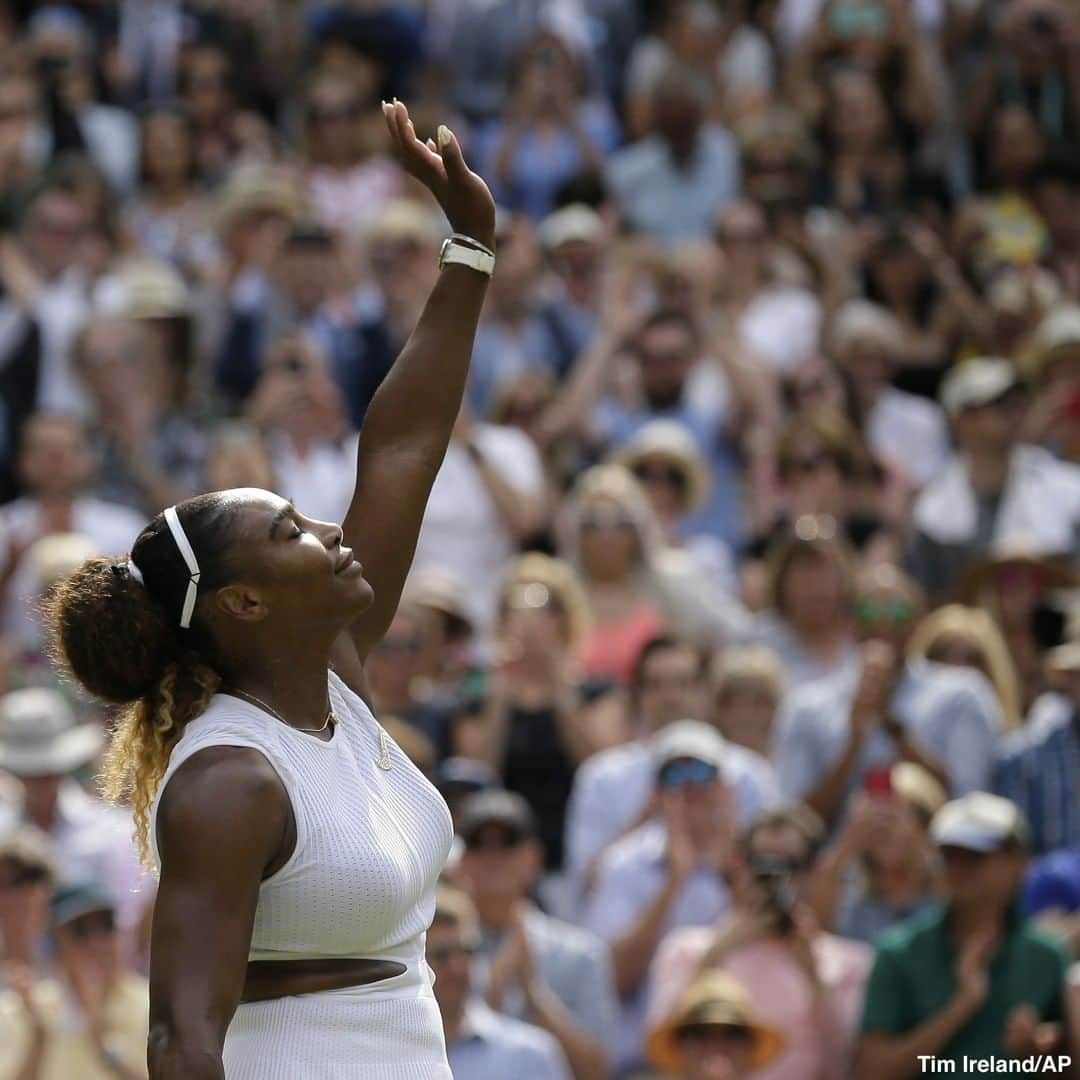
(493,844)
(668,475)
(681,774)
(22,877)
(893,612)
(87,927)
(698,1033)
(400,647)
(439,954)
(741,236)
(807,464)
(607,521)
(330,114)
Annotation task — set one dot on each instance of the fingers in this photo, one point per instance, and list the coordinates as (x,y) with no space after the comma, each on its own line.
(451,153)
(418,158)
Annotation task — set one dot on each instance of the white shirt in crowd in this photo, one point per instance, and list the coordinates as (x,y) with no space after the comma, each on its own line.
(462,531)
(321,483)
(110,528)
(1040,506)
(910,433)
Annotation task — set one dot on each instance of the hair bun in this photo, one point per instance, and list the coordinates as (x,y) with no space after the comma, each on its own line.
(110,633)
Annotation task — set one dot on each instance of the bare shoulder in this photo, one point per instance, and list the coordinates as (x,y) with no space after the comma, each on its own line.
(236,785)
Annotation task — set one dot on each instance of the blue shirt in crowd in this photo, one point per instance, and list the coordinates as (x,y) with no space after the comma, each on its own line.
(491,1047)
(1039,769)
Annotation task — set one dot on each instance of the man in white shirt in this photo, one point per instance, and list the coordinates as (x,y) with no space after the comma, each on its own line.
(995,491)
(487,498)
(613,790)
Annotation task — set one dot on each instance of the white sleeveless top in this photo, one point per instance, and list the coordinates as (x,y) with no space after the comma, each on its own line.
(370,843)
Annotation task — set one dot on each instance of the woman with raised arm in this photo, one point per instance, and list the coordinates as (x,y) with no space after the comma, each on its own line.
(298,847)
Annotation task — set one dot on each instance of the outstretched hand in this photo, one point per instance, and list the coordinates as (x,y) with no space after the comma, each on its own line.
(441,168)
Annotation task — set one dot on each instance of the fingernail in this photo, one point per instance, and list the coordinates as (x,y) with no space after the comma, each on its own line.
(444,136)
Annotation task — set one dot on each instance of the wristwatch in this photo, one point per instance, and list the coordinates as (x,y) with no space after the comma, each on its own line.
(461,250)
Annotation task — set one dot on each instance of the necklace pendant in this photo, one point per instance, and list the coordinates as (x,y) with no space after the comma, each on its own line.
(383,760)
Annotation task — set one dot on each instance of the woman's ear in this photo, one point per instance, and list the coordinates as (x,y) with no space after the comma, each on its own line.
(241,602)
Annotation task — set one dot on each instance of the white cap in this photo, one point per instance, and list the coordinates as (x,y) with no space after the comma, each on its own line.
(977,382)
(1058,330)
(979,822)
(687,739)
(576,222)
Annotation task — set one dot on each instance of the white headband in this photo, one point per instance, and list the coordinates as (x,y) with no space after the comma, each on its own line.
(182,543)
(134,571)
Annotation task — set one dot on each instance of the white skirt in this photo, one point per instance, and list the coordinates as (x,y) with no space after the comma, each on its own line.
(338,1035)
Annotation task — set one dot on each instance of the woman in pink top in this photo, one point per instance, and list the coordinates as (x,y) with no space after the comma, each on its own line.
(610,536)
(347,185)
(801,981)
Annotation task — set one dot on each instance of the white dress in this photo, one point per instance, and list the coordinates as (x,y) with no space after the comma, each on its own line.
(370,844)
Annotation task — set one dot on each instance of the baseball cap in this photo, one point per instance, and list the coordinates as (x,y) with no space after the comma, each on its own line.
(466,773)
(1053,882)
(71,902)
(979,822)
(977,382)
(687,739)
(504,808)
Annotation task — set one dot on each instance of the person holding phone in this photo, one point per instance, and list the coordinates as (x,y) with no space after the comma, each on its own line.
(881,868)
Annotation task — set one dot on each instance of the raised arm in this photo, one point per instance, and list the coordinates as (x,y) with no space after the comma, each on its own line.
(408,425)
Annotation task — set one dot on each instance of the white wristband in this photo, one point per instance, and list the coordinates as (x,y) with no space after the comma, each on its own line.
(455,252)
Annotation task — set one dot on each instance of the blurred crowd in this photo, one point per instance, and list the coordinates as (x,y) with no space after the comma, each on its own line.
(743,636)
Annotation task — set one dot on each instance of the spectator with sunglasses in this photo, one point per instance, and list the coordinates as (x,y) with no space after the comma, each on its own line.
(714,1034)
(481,1044)
(799,979)
(614,791)
(347,185)
(835,731)
(395,683)
(90,1019)
(667,873)
(528,963)
(674,474)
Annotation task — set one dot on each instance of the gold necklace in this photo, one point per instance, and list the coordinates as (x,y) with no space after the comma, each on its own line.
(252,699)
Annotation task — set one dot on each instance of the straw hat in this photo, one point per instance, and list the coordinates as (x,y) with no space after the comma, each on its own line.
(1055,565)
(257,189)
(406,219)
(669,441)
(712,999)
(440,590)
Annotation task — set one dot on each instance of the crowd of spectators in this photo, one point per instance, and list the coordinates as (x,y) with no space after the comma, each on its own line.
(743,635)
